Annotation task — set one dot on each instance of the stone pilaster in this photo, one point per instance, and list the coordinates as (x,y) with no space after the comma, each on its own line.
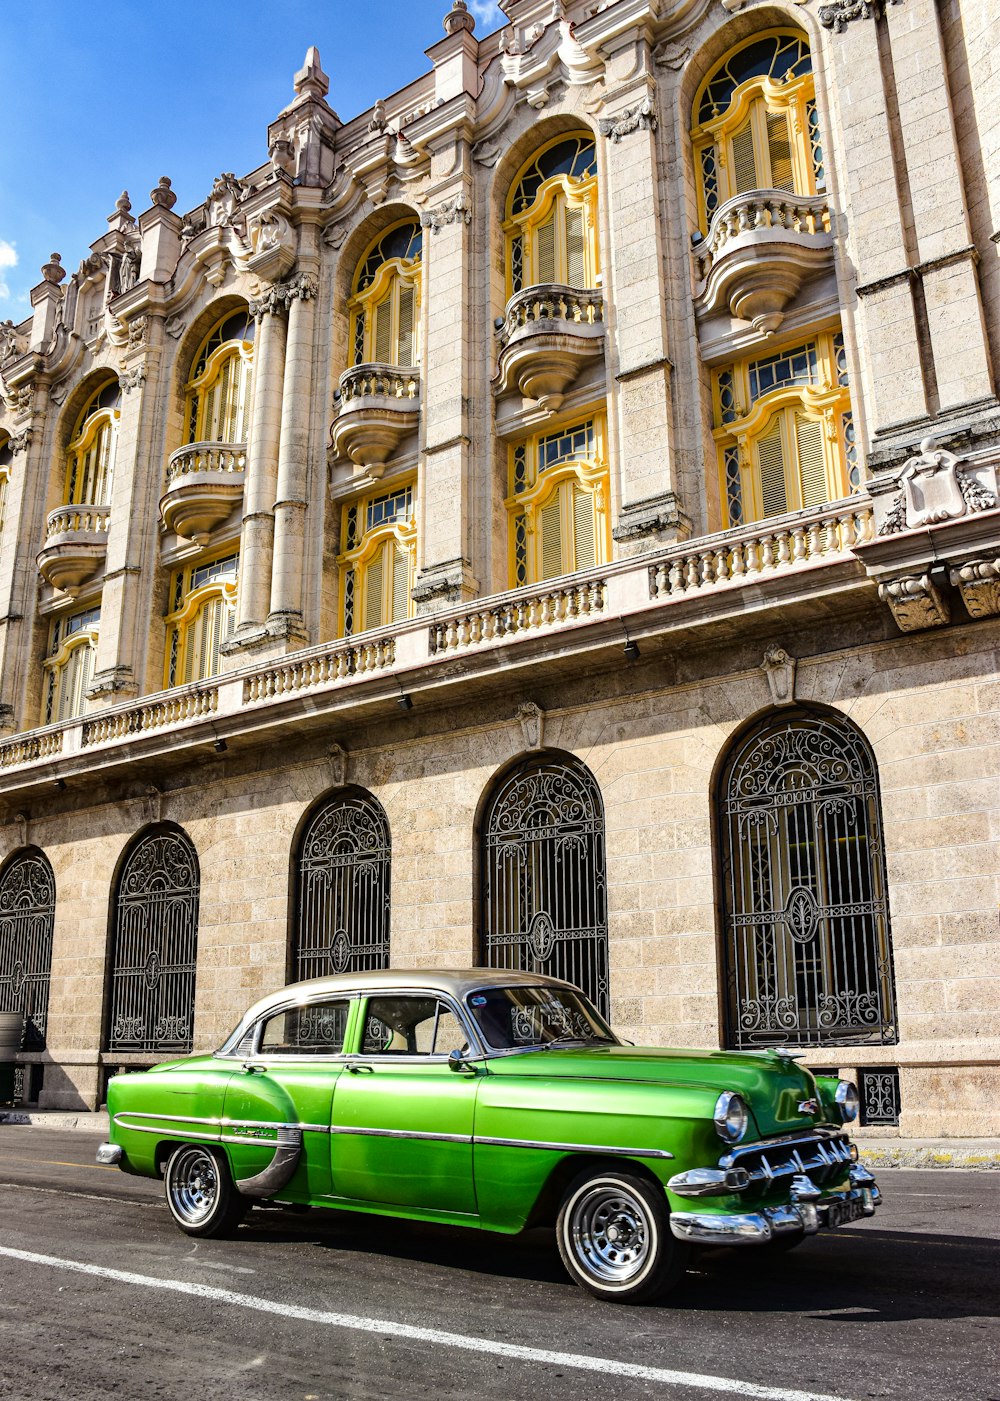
(20,542)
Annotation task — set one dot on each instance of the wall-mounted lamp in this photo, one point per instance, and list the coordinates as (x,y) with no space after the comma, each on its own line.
(220,746)
(403,701)
(59,784)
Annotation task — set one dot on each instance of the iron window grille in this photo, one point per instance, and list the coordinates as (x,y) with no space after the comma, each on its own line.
(878,1089)
(27,916)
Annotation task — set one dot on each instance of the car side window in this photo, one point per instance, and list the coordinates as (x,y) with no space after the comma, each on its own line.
(411,1026)
(316,1029)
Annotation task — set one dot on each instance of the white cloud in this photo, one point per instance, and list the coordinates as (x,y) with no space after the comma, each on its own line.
(8,259)
(488,16)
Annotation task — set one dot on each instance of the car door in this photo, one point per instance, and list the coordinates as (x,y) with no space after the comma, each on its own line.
(287,1079)
(402,1118)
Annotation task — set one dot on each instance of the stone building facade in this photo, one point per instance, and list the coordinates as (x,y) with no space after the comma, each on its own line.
(549,519)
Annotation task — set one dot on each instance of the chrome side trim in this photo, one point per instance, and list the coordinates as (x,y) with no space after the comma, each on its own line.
(574,1147)
(279,1170)
(222,1123)
(166,1118)
(184,1133)
(403,1133)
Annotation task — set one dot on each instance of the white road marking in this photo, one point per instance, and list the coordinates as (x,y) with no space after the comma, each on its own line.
(87,1196)
(606,1366)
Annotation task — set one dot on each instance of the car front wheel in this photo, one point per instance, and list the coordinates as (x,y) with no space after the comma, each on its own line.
(614,1237)
(200,1192)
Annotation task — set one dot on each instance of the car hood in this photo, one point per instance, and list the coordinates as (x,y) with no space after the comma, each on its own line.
(772,1086)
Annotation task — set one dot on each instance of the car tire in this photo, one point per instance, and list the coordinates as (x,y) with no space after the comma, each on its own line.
(200,1193)
(614,1237)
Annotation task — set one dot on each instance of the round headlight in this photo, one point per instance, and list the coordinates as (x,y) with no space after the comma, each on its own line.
(731,1117)
(847,1100)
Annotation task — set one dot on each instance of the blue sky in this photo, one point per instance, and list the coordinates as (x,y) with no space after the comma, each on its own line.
(97,99)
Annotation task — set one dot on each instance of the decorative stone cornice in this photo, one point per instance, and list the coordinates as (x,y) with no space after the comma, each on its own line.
(838,15)
(660,518)
(915,601)
(451,211)
(640,116)
(280,295)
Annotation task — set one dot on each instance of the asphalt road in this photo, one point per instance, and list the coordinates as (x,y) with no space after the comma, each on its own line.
(322,1305)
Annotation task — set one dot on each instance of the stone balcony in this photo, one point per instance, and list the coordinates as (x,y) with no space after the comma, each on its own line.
(378,406)
(204,483)
(546,337)
(760,248)
(76,543)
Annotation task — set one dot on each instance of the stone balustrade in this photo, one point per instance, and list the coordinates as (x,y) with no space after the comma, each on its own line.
(230,458)
(168,709)
(77,520)
(757,211)
(550,302)
(377,381)
(765,548)
(28,749)
(76,543)
(549,606)
(319,668)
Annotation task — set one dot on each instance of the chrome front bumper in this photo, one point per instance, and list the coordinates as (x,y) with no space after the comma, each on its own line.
(109,1155)
(806,1214)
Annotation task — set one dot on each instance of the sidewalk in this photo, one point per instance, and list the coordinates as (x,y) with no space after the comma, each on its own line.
(978,1154)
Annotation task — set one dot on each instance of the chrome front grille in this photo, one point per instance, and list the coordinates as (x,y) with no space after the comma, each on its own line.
(823,1156)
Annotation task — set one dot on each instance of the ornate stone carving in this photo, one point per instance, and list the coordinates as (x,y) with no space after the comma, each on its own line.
(270,248)
(337,765)
(934,489)
(20,442)
(138,329)
(53,271)
(163,196)
(334,235)
(280,295)
(452,211)
(670,55)
(175,326)
(915,601)
(978,581)
(779,668)
(12,344)
(641,116)
(224,201)
(838,15)
(59,392)
(531,718)
(458,18)
(132,378)
(378,123)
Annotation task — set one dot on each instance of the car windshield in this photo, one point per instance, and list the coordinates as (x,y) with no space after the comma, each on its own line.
(518,1018)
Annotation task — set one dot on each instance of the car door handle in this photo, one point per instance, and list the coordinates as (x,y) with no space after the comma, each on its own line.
(359,1069)
(249,1068)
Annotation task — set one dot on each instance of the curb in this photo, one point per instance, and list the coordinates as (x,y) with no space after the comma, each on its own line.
(985,1158)
(56,1119)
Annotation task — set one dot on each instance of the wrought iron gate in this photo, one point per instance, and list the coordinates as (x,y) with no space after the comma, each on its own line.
(155,946)
(544,886)
(807,946)
(342,889)
(27,915)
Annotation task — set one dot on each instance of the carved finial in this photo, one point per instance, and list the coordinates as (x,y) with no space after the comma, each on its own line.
(123,204)
(377,123)
(310,80)
(53,270)
(163,196)
(458,18)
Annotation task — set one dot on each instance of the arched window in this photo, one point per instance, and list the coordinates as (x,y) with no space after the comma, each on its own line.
(806,944)
(377,563)
(385,301)
(558,502)
(6,465)
(784,430)
(201,617)
(154,945)
(70,664)
(217,396)
(90,455)
(544,888)
(27,916)
(551,224)
(342,871)
(755,125)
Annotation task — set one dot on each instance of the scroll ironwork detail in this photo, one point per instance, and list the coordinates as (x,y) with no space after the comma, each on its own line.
(27,916)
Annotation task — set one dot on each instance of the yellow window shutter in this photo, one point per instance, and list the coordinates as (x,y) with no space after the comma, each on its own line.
(373,591)
(585,539)
(102,484)
(744,165)
(550,531)
(576,263)
(400,584)
(407,301)
(204,429)
(812,469)
(383,332)
(545,243)
(779,150)
(771,464)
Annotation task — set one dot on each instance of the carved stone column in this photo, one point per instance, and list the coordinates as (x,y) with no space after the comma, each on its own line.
(23,519)
(443,550)
(648,510)
(257,539)
(292,503)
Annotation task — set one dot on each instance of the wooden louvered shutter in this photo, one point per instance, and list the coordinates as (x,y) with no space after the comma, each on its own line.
(102,480)
(779,149)
(771,464)
(77,671)
(550,529)
(545,243)
(400,584)
(576,262)
(242,400)
(223,400)
(383,332)
(374,575)
(744,164)
(812,468)
(585,540)
(407,337)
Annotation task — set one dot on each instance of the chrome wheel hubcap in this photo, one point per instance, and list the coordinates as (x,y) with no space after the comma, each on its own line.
(610,1234)
(194,1185)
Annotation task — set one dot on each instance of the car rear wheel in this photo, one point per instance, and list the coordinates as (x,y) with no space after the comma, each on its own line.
(614,1237)
(200,1192)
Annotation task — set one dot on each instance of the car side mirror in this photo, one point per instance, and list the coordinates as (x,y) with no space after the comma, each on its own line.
(458,1063)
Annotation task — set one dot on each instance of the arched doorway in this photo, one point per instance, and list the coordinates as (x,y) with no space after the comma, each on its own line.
(27,917)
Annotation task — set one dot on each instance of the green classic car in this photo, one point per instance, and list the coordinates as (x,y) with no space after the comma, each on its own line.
(496,1100)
